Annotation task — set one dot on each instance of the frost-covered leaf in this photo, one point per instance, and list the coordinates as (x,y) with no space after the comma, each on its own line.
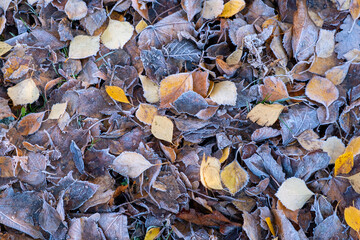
(83,46)
(162,128)
(234,177)
(210,173)
(117,34)
(265,114)
(130,164)
(348,38)
(182,50)
(224,93)
(24,92)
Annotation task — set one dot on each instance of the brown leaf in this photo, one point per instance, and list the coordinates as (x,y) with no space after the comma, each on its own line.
(213,219)
(173,86)
(201,82)
(191,7)
(273,89)
(30,123)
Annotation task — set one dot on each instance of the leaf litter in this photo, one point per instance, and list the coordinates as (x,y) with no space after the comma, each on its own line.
(186,119)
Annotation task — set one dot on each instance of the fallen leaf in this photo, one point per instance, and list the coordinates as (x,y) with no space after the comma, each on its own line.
(117,34)
(235,57)
(232,7)
(130,164)
(265,114)
(353,146)
(201,82)
(212,8)
(270,226)
(355,182)
(225,154)
(4,48)
(152,233)
(57,110)
(146,113)
(337,74)
(334,147)
(273,89)
(251,226)
(151,89)
(140,8)
(309,140)
(264,133)
(348,38)
(75,9)
(173,86)
(191,7)
(24,92)
(140,26)
(326,43)
(116,93)
(224,93)
(352,218)
(210,173)
(162,128)
(83,46)
(234,177)
(30,123)
(355,9)
(344,163)
(322,91)
(293,193)
(190,102)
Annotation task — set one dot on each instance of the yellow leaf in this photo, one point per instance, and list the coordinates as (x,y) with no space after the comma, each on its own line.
(344,163)
(224,93)
(173,86)
(151,89)
(353,146)
(334,147)
(117,34)
(225,154)
(83,46)
(210,173)
(232,7)
(234,177)
(352,218)
(162,128)
(24,92)
(265,114)
(146,113)
(116,93)
(152,233)
(57,110)
(271,227)
(4,48)
(355,182)
(140,26)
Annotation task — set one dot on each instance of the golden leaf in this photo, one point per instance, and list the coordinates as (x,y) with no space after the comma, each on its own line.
(116,93)
(24,92)
(234,177)
(352,217)
(224,93)
(162,128)
(232,7)
(225,154)
(344,163)
(353,146)
(152,233)
(173,86)
(146,113)
(210,173)
(117,34)
(265,114)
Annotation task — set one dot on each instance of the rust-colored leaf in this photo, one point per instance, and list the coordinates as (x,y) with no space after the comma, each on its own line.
(30,123)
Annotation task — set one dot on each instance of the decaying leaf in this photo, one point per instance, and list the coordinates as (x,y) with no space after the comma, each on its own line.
(146,113)
(117,34)
(162,128)
(30,123)
(224,93)
(273,89)
(116,93)
(347,39)
(293,193)
(212,8)
(210,173)
(322,91)
(232,7)
(265,114)
(24,92)
(234,177)
(325,44)
(83,46)
(173,86)
(352,218)
(57,110)
(344,163)
(130,164)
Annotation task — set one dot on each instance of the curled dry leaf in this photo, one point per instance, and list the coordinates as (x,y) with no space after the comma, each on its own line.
(210,173)
(344,163)
(234,177)
(232,7)
(352,218)
(323,91)
(273,89)
(117,34)
(24,92)
(162,128)
(293,193)
(265,114)
(57,110)
(173,86)
(30,123)
(212,8)
(83,46)
(150,88)
(334,147)
(130,164)
(224,93)
(146,113)
(75,9)
(116,93)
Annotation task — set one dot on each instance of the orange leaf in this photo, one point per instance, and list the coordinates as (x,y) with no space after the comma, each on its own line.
(355,9)
(117,94)
(273,89)
(352,218)
(173,86)
(30,123)
(344,163)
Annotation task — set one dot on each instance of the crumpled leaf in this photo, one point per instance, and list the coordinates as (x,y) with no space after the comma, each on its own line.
(265,114)
(75,9)
(30,123)
(130,164)
(273,89)
(293,193)
(352,218)
(322,91)
(173,86)
(210,173)
(234,177)
(24,92)
(83,46)
(116,93)
(117,34)
(344,163)
(162,128)
(212,8)
(232,7)
(224,93)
